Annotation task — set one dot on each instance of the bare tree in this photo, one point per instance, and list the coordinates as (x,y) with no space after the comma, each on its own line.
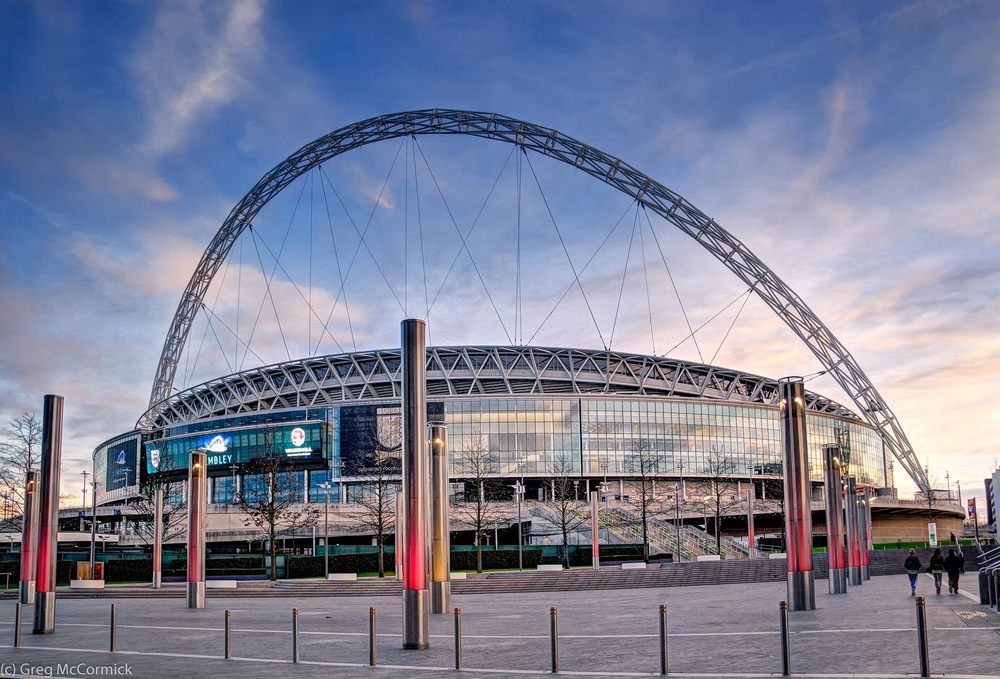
(174,508)
(380,478)
(19,452)
(643,465)
(719,472)
(483,491)
(271,498)
(564,501)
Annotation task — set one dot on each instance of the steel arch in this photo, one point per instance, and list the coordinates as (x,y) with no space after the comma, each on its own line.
(725,247)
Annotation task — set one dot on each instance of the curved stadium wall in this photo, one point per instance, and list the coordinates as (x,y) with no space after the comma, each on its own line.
(536,411)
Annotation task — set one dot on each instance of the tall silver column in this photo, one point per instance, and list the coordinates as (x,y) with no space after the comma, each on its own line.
(48,516)
(29,538)
(798,516)
(157,537)
(853,532)
(416,484)
(441,542)
(863,534)
(834,519)
(400,513)
(197,511)
(595,532)
(751,537)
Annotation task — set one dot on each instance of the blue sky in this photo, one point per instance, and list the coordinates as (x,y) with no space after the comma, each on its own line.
(854,146)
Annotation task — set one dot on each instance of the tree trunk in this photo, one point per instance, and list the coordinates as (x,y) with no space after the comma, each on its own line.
(381,555)
(274,552)
(479,552)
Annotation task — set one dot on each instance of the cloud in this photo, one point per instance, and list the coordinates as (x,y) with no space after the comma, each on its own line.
(193,62)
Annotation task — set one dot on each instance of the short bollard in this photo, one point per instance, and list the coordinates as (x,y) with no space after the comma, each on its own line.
(295,635)
(371,636)
(227,645)
(786,652)
(663,639)
(554,630)
(114,628)
(458,638)
(922,649)
(17,625)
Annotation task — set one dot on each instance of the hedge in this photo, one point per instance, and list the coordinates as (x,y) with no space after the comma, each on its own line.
(63,571)
(464,560)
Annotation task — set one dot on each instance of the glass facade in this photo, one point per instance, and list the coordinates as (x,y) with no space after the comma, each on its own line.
(589,436)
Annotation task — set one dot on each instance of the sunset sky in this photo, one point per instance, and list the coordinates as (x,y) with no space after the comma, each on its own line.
(855,147)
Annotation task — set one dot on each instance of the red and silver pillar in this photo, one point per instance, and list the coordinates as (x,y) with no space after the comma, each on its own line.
(416,484)
(29,538)
(853,533)
(833,488)
(595,532)
(197,515)
(441,542)
(864,536)
(157,537)
(48,516)
(798,516)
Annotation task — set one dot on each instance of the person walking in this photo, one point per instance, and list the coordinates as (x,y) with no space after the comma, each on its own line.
(937,569)
(912,566)
(953,565)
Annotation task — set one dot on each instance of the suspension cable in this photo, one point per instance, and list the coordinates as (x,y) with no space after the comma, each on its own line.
(217,340)
(312,191)
(420,233)
(714,316)
(406,228)
(582,271)
(518,321)
(269,278)
(269,295)
(562,242)
(645,275)
(239,293)
(336,257)
(465,243)
(357,249)
(230,331)
(312,310)
(674,285)
(730,329)
(204,336)
(458,253)
(621,288)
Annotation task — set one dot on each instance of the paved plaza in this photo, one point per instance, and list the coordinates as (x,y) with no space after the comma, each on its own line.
(729,630)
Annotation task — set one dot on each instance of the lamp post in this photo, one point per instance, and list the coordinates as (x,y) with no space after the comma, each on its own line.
(326,529)
(518,496)
(93,523)
(708,501)
(677,518)
(85,474)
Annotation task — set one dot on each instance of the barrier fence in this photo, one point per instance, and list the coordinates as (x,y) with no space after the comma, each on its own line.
(784,632)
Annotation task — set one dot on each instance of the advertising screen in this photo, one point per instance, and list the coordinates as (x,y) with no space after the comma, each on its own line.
(121,464)
(297,443)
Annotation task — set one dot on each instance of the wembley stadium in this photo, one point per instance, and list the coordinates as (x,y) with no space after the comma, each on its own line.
(608,420)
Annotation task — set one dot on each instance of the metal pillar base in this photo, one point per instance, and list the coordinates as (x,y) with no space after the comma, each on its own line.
(864,572)
(416,607)
(854,575)
(157,579)
(196,595)
(801,591)
(440,597)
(838,580)
(45,613)
(27,592)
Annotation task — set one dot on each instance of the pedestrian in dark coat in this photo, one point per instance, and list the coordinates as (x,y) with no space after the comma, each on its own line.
(953,564)
(912,566)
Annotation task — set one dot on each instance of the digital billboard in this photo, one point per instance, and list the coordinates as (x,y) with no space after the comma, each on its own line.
(297,442)
(122,464)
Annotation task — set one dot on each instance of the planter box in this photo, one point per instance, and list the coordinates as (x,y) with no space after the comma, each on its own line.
(777,555)
(86,584)
(709,557)
(342,577)
(632,565)
(549,567)
(220,584)
(457,576)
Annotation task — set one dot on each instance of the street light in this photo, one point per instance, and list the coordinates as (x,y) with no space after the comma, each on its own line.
(326,486)
(677,518)
(85,474)
(708,502)
(93,524)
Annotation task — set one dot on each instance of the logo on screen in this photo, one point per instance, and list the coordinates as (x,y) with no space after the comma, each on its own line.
(154,458)
(217,445)
(298,437)
(120,459)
